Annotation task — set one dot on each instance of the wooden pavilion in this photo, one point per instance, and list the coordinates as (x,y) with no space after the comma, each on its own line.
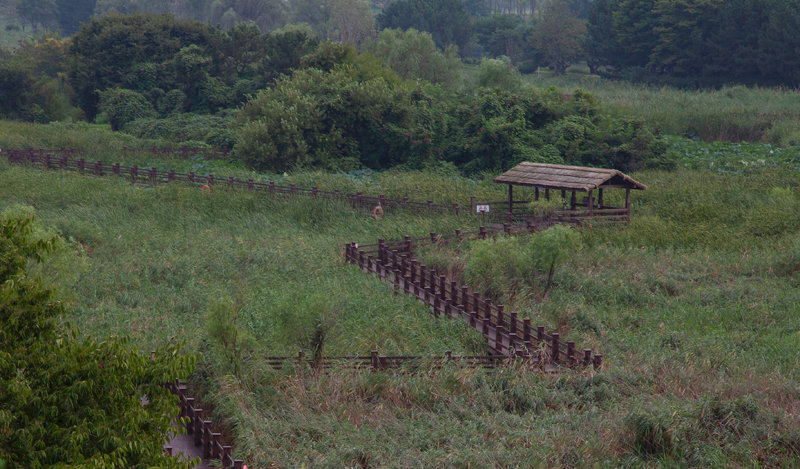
(574,179)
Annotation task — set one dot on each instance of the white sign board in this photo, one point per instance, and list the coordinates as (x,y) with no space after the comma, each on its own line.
(482,208)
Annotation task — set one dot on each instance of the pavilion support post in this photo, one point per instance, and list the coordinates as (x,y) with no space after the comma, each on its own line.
(572,201)
(510,198)
(628,203)
(600,198)
(591,203)
(536,193)
(563,194)
(547,193)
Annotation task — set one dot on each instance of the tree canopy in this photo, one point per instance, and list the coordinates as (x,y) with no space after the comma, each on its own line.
(446,20)
(66,401)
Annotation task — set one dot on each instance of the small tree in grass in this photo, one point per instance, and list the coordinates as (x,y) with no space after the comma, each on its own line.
(551,247)
(70,402)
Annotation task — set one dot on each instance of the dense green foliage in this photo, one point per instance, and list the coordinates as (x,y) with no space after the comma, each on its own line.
(414,55)
(160,57)
(446,20)
(698,42)
(348,117)
(70,401)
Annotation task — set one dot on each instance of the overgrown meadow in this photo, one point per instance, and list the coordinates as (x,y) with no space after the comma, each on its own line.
(693,306)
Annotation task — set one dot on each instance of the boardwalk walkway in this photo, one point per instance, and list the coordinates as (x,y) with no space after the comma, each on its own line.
(183,447)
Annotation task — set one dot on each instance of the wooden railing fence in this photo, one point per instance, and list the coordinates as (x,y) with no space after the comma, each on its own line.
(506,333)
(68,160)
(202,430)
(72,160)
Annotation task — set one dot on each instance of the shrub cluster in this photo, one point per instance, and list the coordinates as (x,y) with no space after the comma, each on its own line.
(351,116)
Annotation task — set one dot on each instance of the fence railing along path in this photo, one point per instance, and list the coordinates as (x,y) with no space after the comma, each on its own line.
(74,160)
(506,333)
(70,160)
(201,431)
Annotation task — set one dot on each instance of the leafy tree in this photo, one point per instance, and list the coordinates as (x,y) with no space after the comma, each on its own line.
(37,12)
(413,54)
(635,27)
(504,35)
(683,27)
(477,8)
(551,247)
(779,42)
(315,13)
(559,37)
(104,51)
(601,44)
(69,402)
(267,14)
(71,13)
(16,85)
(334,119)
(351,21)
(123,106)
(446,20)
(499,73)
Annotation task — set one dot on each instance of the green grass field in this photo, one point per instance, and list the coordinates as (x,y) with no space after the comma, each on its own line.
(734,114)
(694,306)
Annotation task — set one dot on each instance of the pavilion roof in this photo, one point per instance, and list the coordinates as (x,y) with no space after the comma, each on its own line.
(555,176)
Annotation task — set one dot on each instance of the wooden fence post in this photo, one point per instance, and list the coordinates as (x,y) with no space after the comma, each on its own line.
(554,347)
(570,352)
(197,418)
(526,330)
(598,361)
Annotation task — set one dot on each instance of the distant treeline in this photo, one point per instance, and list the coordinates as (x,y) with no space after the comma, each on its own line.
(697,42)
(284,99)
(683,43)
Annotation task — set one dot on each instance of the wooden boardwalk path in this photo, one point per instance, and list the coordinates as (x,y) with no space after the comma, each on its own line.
(183,447)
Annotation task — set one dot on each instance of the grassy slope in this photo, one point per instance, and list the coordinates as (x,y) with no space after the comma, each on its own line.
(693,306)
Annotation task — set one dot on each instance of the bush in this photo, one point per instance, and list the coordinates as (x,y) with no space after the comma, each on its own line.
(498,73)
(413,54)
(333,120)
(213,130)
(123,106)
